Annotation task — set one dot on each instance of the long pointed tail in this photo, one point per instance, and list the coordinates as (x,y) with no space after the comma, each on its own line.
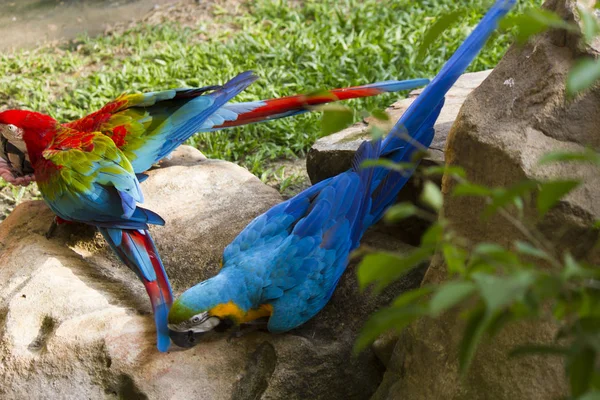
(428,101)
(418,121)
(266,110)
(136,249)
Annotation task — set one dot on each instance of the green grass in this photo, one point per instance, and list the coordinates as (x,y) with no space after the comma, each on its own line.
(315,45)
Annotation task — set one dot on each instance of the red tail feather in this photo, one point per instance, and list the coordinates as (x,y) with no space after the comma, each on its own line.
(145,241)
(281,105)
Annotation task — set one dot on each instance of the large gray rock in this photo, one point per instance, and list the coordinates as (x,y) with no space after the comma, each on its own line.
(518,114)
(76,323)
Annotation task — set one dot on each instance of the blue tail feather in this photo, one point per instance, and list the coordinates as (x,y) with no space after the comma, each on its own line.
(382,185)
(396,86)
(431,96)
(161,320)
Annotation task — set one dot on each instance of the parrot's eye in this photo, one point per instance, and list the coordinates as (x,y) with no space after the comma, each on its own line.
(13,132)
(198,319)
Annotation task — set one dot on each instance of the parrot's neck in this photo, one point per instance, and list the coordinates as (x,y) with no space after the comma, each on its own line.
(230,294)
(229,283)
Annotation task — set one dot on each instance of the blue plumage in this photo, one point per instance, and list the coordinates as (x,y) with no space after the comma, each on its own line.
(289,260)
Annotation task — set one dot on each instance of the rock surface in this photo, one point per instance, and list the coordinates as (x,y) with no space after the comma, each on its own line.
(75,323)
(518,114)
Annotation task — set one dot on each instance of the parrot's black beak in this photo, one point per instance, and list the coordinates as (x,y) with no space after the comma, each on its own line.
(186,339)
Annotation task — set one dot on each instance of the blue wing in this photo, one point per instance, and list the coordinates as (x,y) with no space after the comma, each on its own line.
(305,243)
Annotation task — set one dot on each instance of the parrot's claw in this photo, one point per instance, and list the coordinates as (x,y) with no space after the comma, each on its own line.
(235,334)
(50,233)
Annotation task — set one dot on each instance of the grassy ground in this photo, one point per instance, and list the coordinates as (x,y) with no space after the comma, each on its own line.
(294,46)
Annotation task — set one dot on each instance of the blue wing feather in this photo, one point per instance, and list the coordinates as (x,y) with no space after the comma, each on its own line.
(176,115)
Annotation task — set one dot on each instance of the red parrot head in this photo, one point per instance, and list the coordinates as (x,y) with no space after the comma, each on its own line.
(27,131)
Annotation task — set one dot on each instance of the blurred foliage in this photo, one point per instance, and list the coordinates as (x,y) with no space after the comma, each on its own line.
(490,285)
(493,285)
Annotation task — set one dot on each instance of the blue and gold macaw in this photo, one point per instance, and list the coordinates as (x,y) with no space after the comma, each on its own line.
(284,266)
(89,170)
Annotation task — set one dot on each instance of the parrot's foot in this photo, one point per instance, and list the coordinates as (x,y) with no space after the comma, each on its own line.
(52,229)
(55,222)
(235,334)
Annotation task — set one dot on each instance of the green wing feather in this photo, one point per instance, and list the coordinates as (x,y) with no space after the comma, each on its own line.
(86,177)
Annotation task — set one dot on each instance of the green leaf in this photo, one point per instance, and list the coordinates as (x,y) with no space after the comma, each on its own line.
(376,132)
(590,325)
(383,268)
(548,286)
(502,197)
(590,28)
(498,292)
(454,171)
(583,75)
(433,235)
(450,294)
(573,269)
(534,21)
(386,319)
(335,118)
(381,115)
(412,296)
(471,189)
(551,192)
(436,30)
(455,258)
(374,265)
(432,196)
(400,211)
(580,368)
(538,349)
(492,252)
(477,325)
(590,395)
(388,164)
(500,320)
(587,155)
(529,250)
(489,249)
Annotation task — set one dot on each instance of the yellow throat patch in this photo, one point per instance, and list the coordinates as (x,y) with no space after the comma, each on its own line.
(233,311)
